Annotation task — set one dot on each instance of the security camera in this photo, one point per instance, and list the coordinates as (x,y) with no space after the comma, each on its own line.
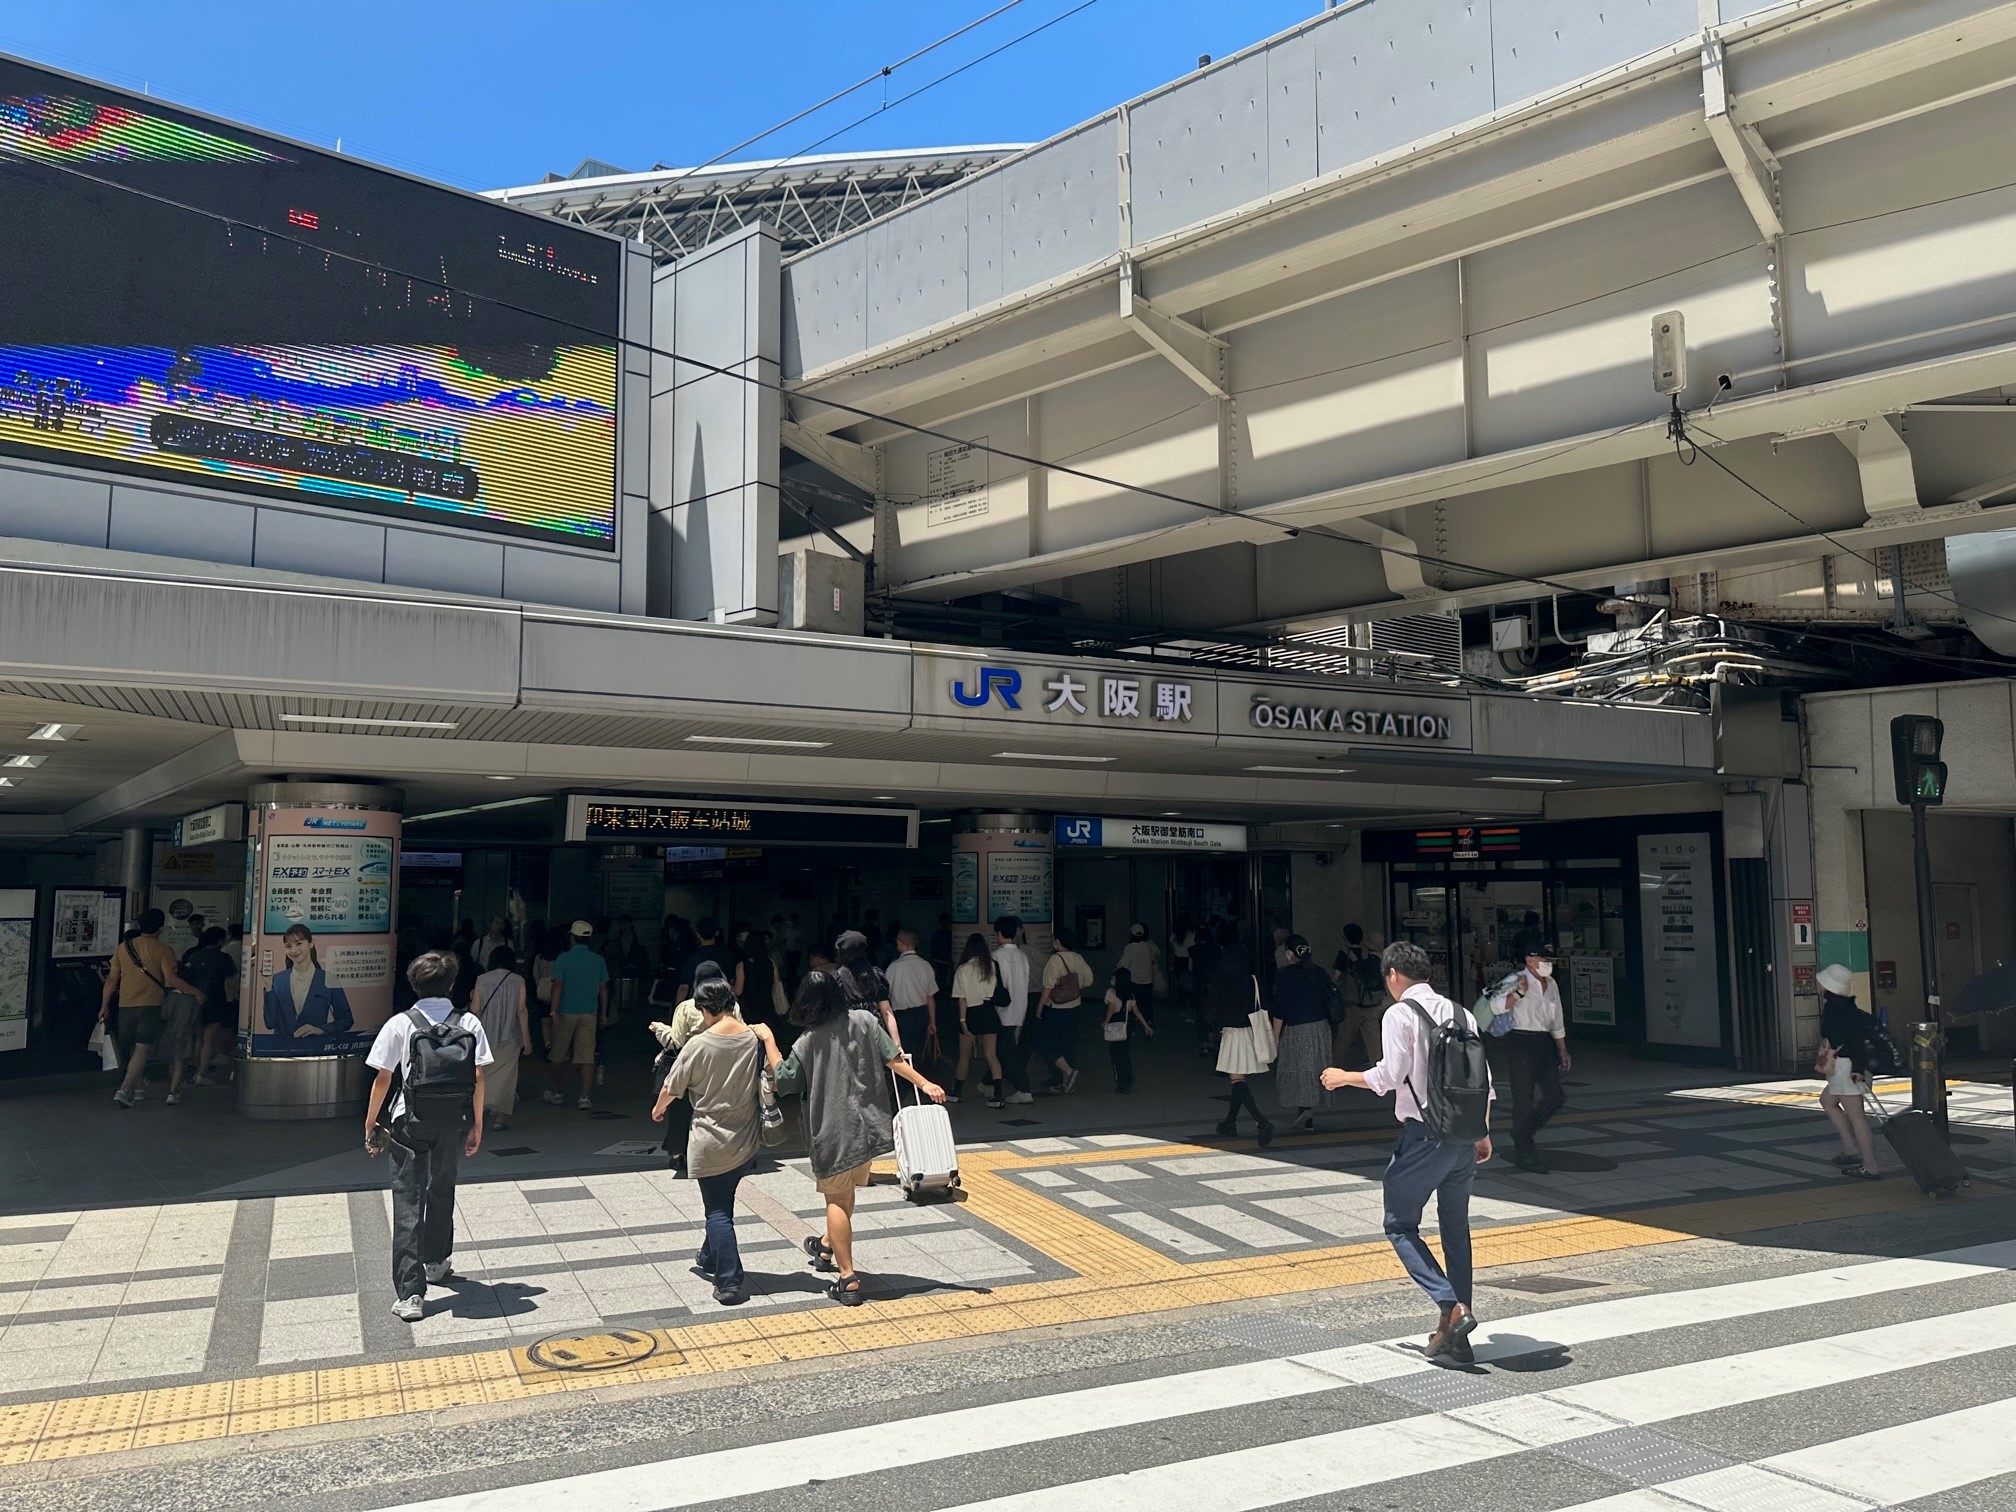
(1669,352)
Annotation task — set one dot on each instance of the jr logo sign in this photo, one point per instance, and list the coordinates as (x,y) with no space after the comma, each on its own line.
(1005,681)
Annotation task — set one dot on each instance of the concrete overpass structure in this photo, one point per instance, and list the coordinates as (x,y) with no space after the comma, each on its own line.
(1358,320)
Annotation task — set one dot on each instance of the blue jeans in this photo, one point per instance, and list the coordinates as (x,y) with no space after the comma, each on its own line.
(719,1254)
(1420,1166)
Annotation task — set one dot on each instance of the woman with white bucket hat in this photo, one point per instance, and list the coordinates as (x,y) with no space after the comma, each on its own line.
(1844,1027)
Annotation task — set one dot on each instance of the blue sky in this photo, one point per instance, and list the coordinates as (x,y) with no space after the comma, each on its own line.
(488,94)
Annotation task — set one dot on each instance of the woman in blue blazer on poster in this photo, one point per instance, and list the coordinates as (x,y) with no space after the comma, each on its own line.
(301,1005)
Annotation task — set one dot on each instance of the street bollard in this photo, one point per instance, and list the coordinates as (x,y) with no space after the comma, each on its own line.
(1928,1090)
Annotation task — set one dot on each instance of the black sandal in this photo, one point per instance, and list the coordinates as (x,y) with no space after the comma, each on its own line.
(846,1291)
(821,1253)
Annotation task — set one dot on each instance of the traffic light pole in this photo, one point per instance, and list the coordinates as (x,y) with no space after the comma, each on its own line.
(1928,1039)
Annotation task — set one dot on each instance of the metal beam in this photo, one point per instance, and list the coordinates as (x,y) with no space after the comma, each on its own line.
(1403,572)
(1191,350)
(859,465)
(1889,482)
(1755,180)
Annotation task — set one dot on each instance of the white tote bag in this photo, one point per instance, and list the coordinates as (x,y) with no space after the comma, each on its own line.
(1263,1029)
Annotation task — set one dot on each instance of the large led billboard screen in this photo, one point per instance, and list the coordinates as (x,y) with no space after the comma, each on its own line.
(187,299)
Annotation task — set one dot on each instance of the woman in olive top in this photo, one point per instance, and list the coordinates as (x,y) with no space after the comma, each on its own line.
(717,1073)
(839,1063)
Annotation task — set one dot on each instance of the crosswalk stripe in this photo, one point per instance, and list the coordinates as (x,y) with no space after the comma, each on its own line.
(1913,1460)
(834,1456)
(1245,1480)
(861,1451)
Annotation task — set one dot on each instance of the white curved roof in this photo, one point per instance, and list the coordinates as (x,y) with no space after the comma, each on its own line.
(809,200)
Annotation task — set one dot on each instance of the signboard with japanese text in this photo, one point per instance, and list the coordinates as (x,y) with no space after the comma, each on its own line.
(1677,911)
(1020,882)
(1096,832)
(17,935)
(335,884)
(1592,990)
(88,922)
(684,821)
(221,823)
(965,887)
(957,691)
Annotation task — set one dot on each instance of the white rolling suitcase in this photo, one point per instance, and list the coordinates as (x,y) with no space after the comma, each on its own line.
(927,1159)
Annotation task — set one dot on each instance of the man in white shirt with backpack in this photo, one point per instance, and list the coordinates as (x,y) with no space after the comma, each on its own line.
(435,1054)
(1434,1068)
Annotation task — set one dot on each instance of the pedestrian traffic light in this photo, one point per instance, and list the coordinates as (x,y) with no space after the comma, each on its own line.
(1914,759)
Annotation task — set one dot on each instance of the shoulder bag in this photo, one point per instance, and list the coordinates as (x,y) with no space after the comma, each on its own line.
(769,1115)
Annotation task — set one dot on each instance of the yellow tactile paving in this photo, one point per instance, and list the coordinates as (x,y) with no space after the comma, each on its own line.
(1115,1277)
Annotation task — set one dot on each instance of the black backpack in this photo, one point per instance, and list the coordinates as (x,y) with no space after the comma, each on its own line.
(1455,1095)
(1876,1052)
(439,1077)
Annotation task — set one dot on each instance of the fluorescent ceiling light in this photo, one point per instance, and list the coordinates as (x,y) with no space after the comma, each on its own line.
(1170,814)
(479,808)
(54,731)
(934,821)
(24,761)
(756,740)
(1309,771)
(1048,756)
(1535,781)
(358,719)
(499,777)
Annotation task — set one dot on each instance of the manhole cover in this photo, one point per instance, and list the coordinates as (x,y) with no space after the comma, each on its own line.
(1542,1285)
(588,1352)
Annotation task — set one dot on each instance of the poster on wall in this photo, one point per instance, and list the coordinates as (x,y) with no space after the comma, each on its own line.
(1592,991)
(88,921)
(965,887)
(17,938)
(1676,912)
(324,946)
(1019,883)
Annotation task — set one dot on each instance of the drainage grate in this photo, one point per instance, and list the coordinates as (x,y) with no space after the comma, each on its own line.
(1544,1285)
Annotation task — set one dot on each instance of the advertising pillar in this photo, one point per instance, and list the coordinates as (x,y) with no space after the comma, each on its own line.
(1004,864)
(321,909)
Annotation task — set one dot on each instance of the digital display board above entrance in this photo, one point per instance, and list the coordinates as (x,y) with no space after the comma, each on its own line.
(689,822)
(186,299)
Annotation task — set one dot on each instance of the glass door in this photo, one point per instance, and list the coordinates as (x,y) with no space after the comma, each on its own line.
(1593,969)
(1421,914)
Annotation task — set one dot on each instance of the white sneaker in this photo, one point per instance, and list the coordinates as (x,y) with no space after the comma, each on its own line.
(438,1275)
(174,1099)
(556,1098)
(951,1097)
(1070,1080)
(585,1105)
(139,1094)
(201,1081)
(409,1309)
(1020,1097)
(123,1098)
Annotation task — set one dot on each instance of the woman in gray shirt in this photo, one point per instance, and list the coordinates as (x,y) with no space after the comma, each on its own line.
(838,1063)
(717,1072)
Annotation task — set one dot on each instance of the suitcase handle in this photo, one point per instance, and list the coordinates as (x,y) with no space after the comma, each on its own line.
(896,1084)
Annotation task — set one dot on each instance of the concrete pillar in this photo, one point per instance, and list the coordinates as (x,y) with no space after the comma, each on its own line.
(135,860)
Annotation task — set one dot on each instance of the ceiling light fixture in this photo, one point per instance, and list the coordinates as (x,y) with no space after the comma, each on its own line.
(1048,756)
(54,731)
(757,740)
(499,777)
(24,761)
(358,719)
(479,808)
(1307,771)
(1534,781)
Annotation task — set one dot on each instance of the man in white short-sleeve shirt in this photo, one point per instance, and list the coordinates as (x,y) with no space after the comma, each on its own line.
(424,1161)
(1011,1045)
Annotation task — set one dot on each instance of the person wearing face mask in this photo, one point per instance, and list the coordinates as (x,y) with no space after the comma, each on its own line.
(1536,1050)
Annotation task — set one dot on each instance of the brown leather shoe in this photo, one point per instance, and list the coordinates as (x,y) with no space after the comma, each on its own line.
(1452,1333)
